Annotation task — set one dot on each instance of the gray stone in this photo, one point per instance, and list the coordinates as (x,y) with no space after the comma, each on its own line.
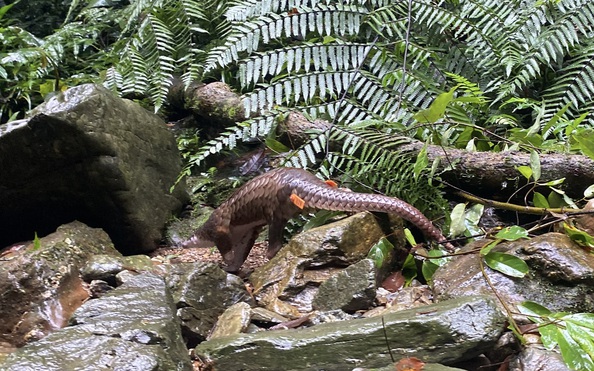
(106,267)
(40,283)
(88,155)
(560,276)
(350,290)
(133,327)
(234,320)
(534,357)
(202,292)
(558,259)
(446,332)
(288,283)
(266,316)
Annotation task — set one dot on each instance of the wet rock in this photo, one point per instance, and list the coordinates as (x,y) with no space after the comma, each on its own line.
(262,315)
(535,357)
(557,258)
(88,155)
(446,332)
(202,292)
(101,267)
(106,267)
(560,275)
(98,288)
(40,284)
(317,317)
(133,327)
(295,129)
(310,258)
(234,320)
(350,290)
(407,298)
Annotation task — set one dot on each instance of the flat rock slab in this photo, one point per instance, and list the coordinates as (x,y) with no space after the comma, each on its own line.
(88,155)
(446,332)
(133,327)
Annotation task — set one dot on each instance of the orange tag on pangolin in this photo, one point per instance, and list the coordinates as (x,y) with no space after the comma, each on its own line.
(331,183)
(298,201)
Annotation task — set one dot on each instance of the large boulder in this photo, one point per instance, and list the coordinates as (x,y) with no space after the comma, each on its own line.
(88,155)
(561,275)
(40,282)
(133,327)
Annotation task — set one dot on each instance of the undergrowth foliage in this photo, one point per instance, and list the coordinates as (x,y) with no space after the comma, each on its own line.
(387,62)
(437,71)
(383,61)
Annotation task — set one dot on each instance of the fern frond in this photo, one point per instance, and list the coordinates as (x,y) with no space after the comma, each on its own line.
(113,79)
(315,57)
(305,87)
(547,45)
(135,71)
(346,112)
(323,19)
(574,86)
(136,11)
(253,128)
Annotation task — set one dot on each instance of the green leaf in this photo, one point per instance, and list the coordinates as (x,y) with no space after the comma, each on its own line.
(582,336)
(589,192)
(583,319)
(535,165)
(540,200)
(586,143)
(526,171)
(555,200)
(276,146)
(457,226)
(409,237)
(578,236)
(512,233)
(548,335)
(569,201)
(465,136)
(421,162)
(507,264)
(487,249)
(554,182)
(470,146)
(428,269)
(572,353)
(409,269)
(437,108)
(531,308)
(380,252)
(553,121)
(5,9)
(434,169)
(328,39)
(36,242)
(472,217)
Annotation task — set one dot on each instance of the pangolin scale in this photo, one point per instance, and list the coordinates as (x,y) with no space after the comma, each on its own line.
(269,199)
